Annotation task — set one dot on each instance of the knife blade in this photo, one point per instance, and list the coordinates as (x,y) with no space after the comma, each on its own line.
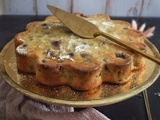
(79,26)
(85,29)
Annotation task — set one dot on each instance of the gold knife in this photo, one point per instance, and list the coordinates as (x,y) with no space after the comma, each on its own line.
(86,29)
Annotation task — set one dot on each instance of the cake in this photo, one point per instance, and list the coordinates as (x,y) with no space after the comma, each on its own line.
(58,57)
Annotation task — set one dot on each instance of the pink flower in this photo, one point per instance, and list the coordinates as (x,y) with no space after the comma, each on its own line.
(147,33)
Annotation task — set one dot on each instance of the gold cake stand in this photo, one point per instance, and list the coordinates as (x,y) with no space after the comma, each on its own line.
(103,95)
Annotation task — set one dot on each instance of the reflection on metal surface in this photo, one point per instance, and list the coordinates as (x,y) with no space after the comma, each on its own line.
(104,95)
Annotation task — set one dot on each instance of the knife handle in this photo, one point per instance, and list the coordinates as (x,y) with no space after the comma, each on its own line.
(110,37)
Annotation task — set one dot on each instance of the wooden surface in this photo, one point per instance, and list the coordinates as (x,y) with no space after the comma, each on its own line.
(136,8)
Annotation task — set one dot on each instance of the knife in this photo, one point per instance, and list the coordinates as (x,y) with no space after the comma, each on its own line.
(85,29)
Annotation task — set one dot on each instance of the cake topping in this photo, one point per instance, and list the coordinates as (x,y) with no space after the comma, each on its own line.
(56,44)
(44,61)
(71,54)
(82,48)
(121,55)
(45,26)
(104,60)
(86,56)
(31,38)
(24,45)
(22,50)
(63,57)
(47,52)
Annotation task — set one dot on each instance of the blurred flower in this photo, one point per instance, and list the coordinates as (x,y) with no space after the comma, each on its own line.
(147,33)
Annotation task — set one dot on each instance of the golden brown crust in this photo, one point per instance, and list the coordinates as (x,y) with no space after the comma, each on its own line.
(58,57)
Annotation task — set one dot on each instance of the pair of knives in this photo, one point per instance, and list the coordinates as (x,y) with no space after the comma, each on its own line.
(85,29)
